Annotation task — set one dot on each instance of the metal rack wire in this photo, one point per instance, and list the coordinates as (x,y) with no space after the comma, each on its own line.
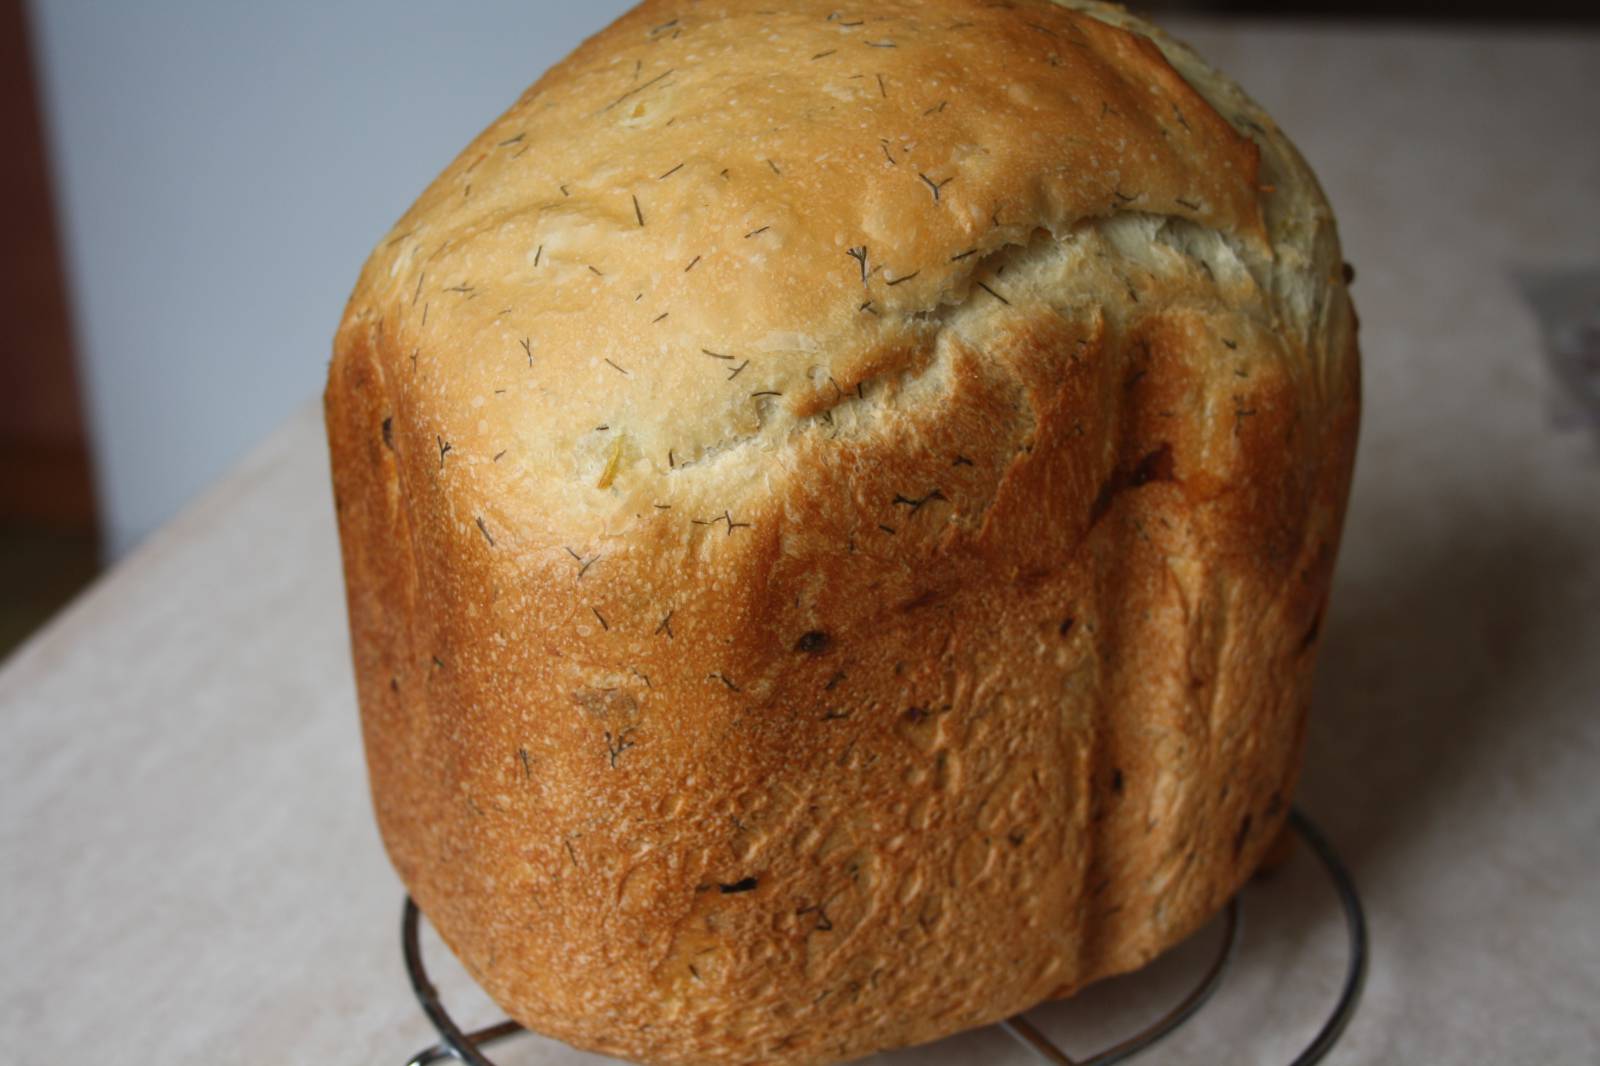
(455,1044)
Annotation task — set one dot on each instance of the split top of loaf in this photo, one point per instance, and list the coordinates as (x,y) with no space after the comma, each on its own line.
(716,229)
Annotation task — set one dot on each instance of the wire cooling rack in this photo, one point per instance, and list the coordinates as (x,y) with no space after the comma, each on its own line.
(459,1046)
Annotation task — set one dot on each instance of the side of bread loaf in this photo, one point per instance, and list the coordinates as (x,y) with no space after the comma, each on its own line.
(837,511)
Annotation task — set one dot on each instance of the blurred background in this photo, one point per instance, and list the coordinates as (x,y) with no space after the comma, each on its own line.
(191,192)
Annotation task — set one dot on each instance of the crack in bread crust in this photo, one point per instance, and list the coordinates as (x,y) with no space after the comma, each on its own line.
(542,286)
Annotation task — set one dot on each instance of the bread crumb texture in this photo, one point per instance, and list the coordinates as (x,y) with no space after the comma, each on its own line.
(837,506)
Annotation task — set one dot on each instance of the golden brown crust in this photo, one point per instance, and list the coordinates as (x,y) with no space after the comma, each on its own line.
(711,726)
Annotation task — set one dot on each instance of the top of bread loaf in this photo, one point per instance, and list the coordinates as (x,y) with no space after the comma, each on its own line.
(716,227)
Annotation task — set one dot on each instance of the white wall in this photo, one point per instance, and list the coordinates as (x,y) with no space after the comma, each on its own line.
(222,171)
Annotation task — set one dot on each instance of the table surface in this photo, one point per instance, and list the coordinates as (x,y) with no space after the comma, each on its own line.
(188,865)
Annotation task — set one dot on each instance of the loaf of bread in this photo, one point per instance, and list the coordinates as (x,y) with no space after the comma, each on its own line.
(837,505)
